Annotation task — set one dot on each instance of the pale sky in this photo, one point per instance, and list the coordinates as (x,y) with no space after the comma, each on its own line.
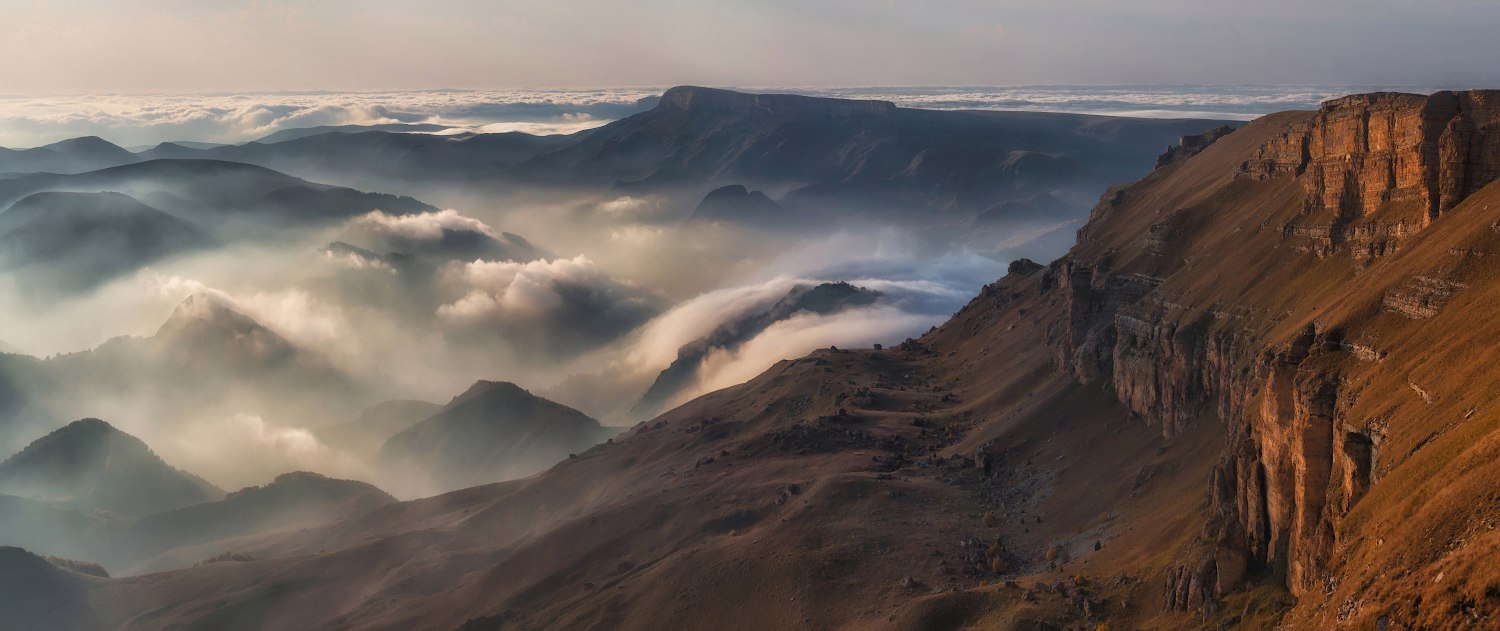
(93,46)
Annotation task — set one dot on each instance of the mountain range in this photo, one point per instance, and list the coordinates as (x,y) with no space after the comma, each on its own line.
(828,158)
(831,154)
(210,192)
(1256,392)
(75,241)
(89,490)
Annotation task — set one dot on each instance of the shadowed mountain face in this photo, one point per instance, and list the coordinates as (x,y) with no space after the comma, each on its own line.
(73,241)
(89,491)
(75,155)
(40,595)
(867,154)
(495,431)
(90,466)
(186,535)
(198,532)
(1258,391)
(376,158)
(206,329)
(452,243)
(825,158)
(804,299)
(736,204)
(218,196)
(303,132)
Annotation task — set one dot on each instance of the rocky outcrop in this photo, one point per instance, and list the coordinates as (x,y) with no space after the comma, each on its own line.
(1191,145)
(1271,488)
(1420,297)
(1377,167)
(1169,374)
(1094,296)
(1198,585)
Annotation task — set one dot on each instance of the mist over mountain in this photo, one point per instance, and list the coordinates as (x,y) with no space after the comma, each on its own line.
(169,518)
(74,155)
(493,431)
(303,132)
(208,372)
(1245,397)
(821,299)
(205,190)
(733,203)
(366,434)
(721,324)
(44,594)
(74,241)
(606,288)
(375,157)
(92,467)
(829,153)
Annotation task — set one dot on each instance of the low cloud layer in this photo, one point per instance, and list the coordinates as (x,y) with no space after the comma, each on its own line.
(147,119)
(137,120)
(247,450)
(570,303)
(420,227)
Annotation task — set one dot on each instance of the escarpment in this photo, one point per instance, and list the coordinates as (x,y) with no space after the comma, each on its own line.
(1375,168)
(1208,293)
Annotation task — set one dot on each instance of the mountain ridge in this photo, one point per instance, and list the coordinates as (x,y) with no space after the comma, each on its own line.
(1252,394)
(90,465)
(493,431)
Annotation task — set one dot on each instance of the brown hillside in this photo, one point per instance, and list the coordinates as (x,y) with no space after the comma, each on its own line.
(1261,388)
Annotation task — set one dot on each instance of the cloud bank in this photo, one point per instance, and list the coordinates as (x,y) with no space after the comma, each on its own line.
(147,119)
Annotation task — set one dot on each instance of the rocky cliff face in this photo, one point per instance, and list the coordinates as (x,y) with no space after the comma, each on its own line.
(1377,167)
(1181,323)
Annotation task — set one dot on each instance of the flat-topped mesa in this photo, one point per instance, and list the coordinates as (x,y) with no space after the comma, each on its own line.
(1407,157)
(696,99)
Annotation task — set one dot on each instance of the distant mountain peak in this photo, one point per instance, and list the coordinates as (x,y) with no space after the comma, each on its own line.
(207,308)
(89,464)
(486,388)
(85,428)
(737,204)
(79,439)
(86,143)
(700,99)
(207,327)
(495,430)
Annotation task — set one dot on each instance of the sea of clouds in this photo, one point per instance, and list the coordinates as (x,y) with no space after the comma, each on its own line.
(137,120)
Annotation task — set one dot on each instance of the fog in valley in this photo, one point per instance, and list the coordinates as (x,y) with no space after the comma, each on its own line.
(587,307)
(403,313)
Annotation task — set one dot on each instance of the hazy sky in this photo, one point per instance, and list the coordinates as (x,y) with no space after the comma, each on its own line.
(83,46)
